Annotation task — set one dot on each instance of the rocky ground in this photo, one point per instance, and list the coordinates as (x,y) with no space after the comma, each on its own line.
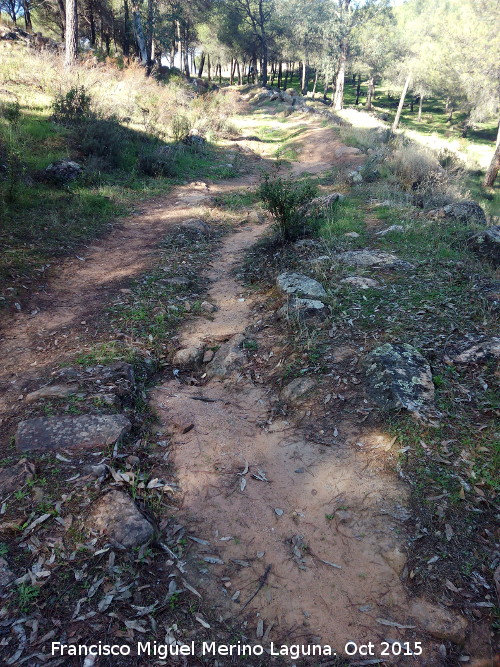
(207,453)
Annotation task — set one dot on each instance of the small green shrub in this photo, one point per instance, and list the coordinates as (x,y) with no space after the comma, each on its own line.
(161,162)
(179,127)
(11,111)
(101,138)
(283,198)
(72,107)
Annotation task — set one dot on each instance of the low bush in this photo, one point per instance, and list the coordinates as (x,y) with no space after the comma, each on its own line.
(72,107)
(283,198)
(161,162)
(101,138)
(429,181)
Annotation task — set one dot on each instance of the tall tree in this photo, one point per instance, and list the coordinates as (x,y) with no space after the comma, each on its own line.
(71,53)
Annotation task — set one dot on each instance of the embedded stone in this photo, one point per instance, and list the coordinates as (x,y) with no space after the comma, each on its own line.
(488,349)
(375,258)
(195,225)
(83,432)
(438,621)
(398,376)
(361,282)
(116,516)
(52,391)
(228,358)
(189,356)
(296,284)
(297,388)
(304,307)
(487,244)
(15,476)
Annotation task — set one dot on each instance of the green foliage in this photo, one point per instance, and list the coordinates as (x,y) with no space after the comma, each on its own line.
(179,127)
(25,596)
(72,107)
(102,138)
(284,197)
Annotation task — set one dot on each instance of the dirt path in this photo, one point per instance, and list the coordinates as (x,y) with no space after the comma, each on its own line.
(320,528)
(64,316)
(317,527)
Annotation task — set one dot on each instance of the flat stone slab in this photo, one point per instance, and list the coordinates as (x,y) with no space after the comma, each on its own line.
(85,432)
(375,258)
(297,284)
(361,282)
(53,391)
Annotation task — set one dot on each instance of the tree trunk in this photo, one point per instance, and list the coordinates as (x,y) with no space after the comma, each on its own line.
(231,72)
(338,99)
(401,103)
(280,74)
(71,33)
(420,103)
(305,77)
(494,167)
(358,89)
(91,19)
(27,16)
(238,70)
(286,77)
(202,65)
(139,34)
(315,82)
(209,68)
(62,15)
(149,43)
(369,94)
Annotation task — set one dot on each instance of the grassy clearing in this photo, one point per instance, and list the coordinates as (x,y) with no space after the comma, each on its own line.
(130,119)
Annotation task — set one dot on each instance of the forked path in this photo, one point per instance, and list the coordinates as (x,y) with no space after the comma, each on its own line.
(321,577)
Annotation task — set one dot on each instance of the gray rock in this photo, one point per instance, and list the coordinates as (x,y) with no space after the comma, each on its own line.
(467,211)
(228,358)
(296,389)
(375,258)
(15,476)
(84,432)
(306,243)
(6,575)
(297,284)
(208,307)
(361,282)
(398,376)
(196,225)
(189,356)
(116,516)
(177,281)
(322,259)
(321,205)
(115,372)
(286,98)
(354,177)
(352,235)
(63,171)
(395,559)
(208,356)
(487,244)
(487,349)
(52,391)
(194,138)
(304,307)
(392,228)
(438,621)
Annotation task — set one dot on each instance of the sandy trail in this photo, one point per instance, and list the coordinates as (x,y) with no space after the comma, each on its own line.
(320,508)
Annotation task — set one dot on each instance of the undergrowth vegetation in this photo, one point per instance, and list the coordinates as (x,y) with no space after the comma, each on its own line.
(126,131)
